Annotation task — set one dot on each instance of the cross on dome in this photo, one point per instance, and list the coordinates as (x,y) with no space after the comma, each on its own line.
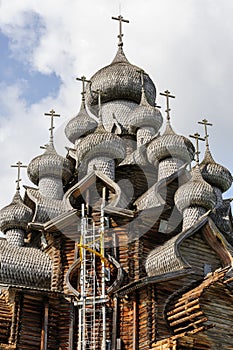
(206,123)
(51,114)
(197,137)
(83,80)
(168,95)
(142,74)
(18,165)
(120,19)
(100,93)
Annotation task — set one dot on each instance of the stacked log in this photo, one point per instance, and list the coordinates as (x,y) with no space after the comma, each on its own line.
(125,323)
(64,324)
(68,256)
(54,314)
(31,322)
(6,313)
(54,251)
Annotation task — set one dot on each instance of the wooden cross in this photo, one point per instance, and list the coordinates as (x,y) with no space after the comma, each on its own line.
(120,19)
(197,137)
(52,114)
(100,93)
(142,74)
(83,80)
(205,123)
(167,94)
(18,165)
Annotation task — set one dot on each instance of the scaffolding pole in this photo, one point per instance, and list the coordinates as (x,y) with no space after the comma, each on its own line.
(92,301)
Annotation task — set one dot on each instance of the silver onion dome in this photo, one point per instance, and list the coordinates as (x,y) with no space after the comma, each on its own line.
(170,145)
(82,124)
(49,164)
(214,173)
(195,193)
(101,143)
(119,80)
(15,215)
(145,115)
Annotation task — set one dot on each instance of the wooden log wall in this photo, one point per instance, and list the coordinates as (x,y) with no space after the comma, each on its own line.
(147,311)
(216,303)
(65,319)
(54,251)
(53,320)
(165,292)
(6,315)
(67,258)
(202,317)
(30,327)
(125,322)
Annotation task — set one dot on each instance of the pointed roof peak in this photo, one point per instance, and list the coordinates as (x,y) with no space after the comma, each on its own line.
(169,130)
(17,197)
(120,56)
(196,173)
(208,158)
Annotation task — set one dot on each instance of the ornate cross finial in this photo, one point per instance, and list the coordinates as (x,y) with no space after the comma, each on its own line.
(205,123)
(52,114)
(142,74)
(83,80)
(120,19)
(167,94)
(197,137)
(100,93)
(18,165)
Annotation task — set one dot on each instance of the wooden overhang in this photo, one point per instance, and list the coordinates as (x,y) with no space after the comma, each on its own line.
(213,237)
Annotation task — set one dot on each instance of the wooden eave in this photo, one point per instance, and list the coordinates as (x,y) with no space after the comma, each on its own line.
(213,237)
(133,286)
(85,183)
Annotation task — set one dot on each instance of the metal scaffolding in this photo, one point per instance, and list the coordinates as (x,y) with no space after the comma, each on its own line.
(92,302)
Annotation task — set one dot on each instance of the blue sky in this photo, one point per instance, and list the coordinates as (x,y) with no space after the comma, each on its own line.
(185,46)
(34,85)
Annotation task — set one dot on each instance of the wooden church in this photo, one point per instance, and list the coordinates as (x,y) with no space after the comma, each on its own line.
(126,243)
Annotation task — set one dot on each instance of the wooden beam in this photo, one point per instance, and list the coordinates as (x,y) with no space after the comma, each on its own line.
(135,323)
(44,331)
(72,324)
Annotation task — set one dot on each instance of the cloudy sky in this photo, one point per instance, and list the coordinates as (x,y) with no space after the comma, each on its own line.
(186,46)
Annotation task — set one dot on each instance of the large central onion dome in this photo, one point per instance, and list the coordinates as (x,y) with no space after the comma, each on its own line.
(15,215)
(120,80)
(49,164)
(214,173)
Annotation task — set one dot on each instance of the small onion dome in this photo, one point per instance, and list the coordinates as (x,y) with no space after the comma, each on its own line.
(120,80)
(15,215)
(170,145)
(101,143)
(49,164)
(195,193)
(145,115)
(81,125)
(214,173)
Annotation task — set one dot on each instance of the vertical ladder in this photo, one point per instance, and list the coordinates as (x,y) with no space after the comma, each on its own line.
(92,302)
